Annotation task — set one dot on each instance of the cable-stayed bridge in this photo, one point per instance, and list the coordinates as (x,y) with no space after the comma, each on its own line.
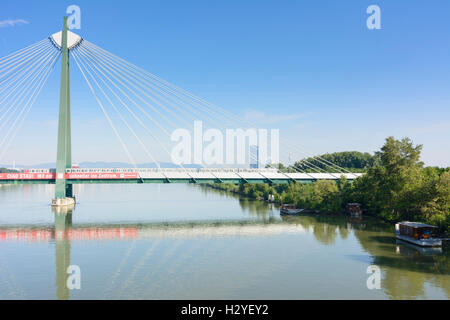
(133,100)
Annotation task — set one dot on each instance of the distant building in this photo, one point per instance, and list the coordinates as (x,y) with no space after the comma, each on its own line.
(254,157)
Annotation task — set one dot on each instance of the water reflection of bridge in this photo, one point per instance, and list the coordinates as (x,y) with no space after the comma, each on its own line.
(64,230)
(175,230)
(63,233)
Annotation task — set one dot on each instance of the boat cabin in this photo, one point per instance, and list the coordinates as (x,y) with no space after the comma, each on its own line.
(354,208)
(415,230)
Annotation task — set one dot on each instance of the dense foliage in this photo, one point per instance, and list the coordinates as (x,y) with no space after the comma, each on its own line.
(396,186)
(351,160)
(400,188)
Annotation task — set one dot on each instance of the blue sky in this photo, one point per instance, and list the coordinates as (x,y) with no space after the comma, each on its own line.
(310,68)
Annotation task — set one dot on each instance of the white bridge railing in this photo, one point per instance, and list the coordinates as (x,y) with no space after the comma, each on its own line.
(218,173)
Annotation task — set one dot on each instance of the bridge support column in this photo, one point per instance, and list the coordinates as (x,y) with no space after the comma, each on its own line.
(63,190)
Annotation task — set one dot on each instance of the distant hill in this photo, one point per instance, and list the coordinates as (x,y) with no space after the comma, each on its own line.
(4,170)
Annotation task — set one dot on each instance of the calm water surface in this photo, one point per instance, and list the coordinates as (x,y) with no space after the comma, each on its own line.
(189,242)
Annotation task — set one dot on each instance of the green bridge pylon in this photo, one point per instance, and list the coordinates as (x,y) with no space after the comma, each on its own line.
(64,149)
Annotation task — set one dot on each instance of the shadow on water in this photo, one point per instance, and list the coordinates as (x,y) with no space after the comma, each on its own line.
(256,208)
(383,239)
(406,267)
(377,238)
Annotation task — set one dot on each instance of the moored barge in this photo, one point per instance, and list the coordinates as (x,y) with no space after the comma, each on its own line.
(417,233)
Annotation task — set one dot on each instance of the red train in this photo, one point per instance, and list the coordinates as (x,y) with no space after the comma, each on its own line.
(74,173)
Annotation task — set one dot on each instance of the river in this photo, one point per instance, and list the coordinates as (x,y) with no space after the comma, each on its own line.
(179,241)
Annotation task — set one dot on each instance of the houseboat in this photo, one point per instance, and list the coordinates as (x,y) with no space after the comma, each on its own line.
(354,209)
(289,209)
(417,233)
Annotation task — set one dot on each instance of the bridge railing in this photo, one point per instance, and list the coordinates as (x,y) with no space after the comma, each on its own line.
(118,170)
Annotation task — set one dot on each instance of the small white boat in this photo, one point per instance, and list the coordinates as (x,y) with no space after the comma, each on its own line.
(417,233)
(289,209)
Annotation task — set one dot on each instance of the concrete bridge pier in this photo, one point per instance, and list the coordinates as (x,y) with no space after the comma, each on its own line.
(63,190)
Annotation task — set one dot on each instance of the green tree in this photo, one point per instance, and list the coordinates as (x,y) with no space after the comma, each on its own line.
(401,189)
(437,210)
(325,196)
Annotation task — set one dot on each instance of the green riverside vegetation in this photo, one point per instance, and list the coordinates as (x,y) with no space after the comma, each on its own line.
(396,186)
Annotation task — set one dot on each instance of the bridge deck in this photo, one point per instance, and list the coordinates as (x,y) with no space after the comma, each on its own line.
(82,176)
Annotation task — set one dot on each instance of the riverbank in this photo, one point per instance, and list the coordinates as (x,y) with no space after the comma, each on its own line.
(396,187)
(323,197)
